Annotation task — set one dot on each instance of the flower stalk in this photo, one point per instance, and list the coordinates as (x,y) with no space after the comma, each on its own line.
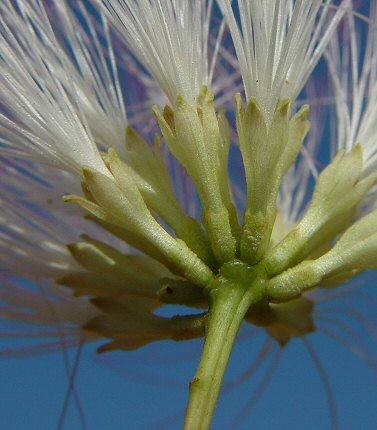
(231,294)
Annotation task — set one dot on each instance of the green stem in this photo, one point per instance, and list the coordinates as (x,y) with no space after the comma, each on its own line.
(229,304)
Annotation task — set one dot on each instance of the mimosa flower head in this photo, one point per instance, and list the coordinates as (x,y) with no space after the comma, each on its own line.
(278,44)
(53,104)
(353,70)
(171,39)
(151,222)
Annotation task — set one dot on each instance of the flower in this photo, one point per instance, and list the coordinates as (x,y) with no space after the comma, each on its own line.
(353,71)
(144,91)
(170,39)
(105,267)
(44,114)
(278,45)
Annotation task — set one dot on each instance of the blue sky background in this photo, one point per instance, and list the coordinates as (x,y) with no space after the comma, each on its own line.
(148,389)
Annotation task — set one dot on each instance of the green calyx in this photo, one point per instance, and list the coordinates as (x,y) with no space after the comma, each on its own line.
(138,193)
(118,202)
(150,174)
(339,190)
(268,151)
(199,139)
(137,203)
(354,252)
